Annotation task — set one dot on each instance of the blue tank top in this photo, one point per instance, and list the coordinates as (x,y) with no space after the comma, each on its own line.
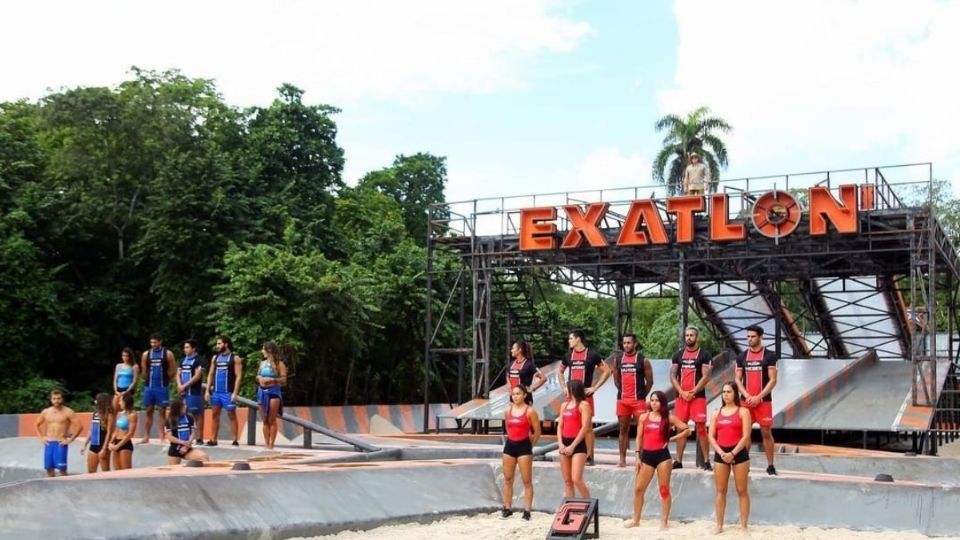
(95,434)
(188,368)
(224,376)
(266,370)
(123,422)
(157,377)
(124,376)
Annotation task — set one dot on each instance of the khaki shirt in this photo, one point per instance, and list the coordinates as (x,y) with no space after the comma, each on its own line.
(696,177)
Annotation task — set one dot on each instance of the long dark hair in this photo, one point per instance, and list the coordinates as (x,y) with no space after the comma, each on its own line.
(664,413)
(736,393)
(128,403)
(272,356)
(176,411)
(576,389)
(524,349)
(133,357)
(103,405)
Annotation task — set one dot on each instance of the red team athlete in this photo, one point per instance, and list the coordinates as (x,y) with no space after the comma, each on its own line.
(582,362)
(633,376)
(522,370)
(689,374)
(756,378)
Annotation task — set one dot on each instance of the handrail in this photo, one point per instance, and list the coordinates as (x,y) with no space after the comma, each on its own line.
(308,429)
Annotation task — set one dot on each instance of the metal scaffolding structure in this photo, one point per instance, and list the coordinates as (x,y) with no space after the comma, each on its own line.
(828,296)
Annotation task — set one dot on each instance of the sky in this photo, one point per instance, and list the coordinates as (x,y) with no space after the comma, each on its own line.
(534,96)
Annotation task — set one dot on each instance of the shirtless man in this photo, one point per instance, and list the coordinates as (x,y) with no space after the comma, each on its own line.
(57,427)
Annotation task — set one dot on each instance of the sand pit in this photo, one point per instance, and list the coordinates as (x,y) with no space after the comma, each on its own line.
(491,527)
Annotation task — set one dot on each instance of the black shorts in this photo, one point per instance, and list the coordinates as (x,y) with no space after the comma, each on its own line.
(518,448)
(126,446)
(581,447)
(654,457)
(742,456)
(174,450)
(95,448)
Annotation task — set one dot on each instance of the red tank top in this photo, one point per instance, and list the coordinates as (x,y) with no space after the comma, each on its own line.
(729,428)
(628,376)
(652,436)
(518,427)
(572,422)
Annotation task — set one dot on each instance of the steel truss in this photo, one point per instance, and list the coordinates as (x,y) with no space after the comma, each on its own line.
(807,289)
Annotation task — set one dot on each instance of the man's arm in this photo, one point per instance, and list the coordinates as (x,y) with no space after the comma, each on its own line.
(238,373)
(213,367)
(41,420)
(771,382)
(674,382)
(145,365)
(647,376)
(706,368)
(738,378)
(604,375)
(74,426)
(171,365)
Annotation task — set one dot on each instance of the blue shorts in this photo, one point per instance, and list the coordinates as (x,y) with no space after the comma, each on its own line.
(264,395)
(156,396)
(194,404)
(222,400)
(55,456)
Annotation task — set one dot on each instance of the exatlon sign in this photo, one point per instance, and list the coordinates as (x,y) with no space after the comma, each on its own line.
(775,214)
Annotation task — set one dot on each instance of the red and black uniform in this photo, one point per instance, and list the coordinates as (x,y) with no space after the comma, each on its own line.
(689,365)
(572,423)
(631,392)
(755,366)
(655,449)
(580,366)
(518,434)
(521,372)
(729,432)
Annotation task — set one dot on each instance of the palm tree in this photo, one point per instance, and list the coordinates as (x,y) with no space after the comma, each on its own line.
(686,135)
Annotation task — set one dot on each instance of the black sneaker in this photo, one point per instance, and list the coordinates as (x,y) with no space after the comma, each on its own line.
(677,465)
(771,470)
(211,443)
(235,443)
(707,467)
(590,461)
(526,515)
(504,514)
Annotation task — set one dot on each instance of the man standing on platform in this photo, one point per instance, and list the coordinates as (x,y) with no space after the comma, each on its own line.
(158,366)
(57,427)
(689,373)
(190,385)
(756,378)
(223,387)
(633,376)
(696,176)
(582,363)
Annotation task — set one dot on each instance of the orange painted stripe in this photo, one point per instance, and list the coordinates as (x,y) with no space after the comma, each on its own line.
(334,419)
(363,421)
(406,414)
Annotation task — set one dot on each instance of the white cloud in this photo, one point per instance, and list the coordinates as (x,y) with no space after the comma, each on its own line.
(338,50)
(609,168)
(824,77)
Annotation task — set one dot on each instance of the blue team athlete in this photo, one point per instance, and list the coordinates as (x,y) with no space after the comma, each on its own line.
(158,366)
(190,384)
(223,387)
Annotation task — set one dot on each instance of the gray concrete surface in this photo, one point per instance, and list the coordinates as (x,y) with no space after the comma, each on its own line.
(327,498)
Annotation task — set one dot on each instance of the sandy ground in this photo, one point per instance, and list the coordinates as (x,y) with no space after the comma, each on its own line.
(492,527)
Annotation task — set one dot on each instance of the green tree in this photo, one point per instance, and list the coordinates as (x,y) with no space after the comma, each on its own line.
(415,182)
(695,132)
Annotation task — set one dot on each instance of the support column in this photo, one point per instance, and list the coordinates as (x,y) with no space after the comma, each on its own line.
(624,322)
(684,285)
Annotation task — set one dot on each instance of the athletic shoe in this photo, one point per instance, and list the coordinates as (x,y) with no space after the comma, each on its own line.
(235,443)
(526,515)
(707,467)
(211,443)
(590,461)
(677,465)
(504,514)
(771,470)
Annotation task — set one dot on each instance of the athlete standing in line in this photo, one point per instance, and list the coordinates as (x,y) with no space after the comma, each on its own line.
(689,374)
(523,432)
(57,427)
(756,379)
(101,429)
(190,384)
(730,437)
(522,370)
(582,363)
(270,377)
(158,367)
(125,377)
(576,417)
(223,387)
(633,376)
